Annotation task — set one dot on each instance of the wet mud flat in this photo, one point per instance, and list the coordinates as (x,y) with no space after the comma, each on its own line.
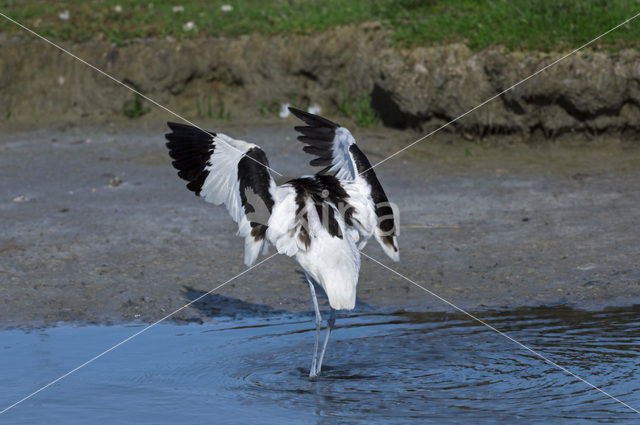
(98,228)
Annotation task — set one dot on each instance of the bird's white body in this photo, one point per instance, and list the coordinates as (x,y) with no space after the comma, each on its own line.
(332,262)
(335,265)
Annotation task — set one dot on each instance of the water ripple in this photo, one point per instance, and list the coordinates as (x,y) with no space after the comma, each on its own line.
(404,368)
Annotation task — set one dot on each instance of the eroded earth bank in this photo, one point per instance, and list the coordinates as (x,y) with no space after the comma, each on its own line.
(591,92)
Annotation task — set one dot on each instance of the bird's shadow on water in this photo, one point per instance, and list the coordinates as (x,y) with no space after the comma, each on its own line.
(216,305)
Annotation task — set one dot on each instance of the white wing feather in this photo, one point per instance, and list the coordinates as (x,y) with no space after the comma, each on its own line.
(217,156)
(342,161)
(222,186)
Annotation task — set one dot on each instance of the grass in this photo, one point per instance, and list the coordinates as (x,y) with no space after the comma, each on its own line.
(135,107)
(515,24)
(269,109)
(358,108)
(528,24)
(222,112)
(199,107)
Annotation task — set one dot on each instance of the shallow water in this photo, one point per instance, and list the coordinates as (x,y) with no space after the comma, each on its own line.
(402,368)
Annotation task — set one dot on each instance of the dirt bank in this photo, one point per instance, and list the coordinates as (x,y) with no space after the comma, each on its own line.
(97,227)
(243,78)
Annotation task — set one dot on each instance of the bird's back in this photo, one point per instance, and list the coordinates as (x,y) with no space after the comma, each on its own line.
(335,265)
(312,220)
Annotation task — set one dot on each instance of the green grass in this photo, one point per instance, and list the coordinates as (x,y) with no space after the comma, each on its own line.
(516,24)
(135,107)
(522,24)
(222,113)
(269,109)
(199,107)
(358,108)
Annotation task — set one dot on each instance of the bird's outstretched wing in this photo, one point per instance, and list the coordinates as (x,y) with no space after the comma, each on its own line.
(337,151)
(226,171)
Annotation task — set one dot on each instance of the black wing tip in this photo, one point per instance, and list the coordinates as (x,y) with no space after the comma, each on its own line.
(191,148)
(300,113)
(181,129)
(297,112)
(312,119)
(388,240)
(177,127)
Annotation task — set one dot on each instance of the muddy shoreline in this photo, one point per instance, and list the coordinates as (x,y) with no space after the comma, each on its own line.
(98,229)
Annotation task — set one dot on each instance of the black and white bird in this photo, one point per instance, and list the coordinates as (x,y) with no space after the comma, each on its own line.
(323,220)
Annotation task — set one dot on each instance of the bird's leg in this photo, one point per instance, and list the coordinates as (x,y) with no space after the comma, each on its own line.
(312,372)
(330,323)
